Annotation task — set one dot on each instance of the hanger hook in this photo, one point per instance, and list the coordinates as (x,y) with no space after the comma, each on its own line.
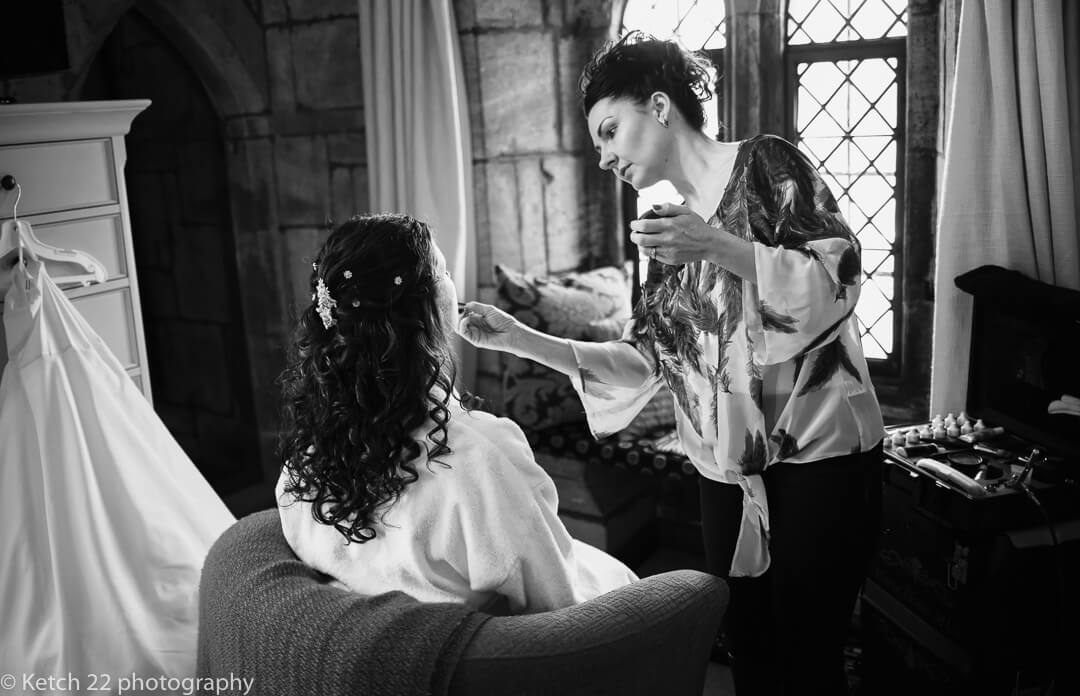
(15,219)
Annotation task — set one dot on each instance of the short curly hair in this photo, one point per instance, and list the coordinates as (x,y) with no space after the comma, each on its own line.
(637,65)
(356,393)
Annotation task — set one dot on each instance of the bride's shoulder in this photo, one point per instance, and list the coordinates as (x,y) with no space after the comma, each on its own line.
(481,430)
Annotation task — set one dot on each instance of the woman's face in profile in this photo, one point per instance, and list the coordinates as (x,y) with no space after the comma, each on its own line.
(445,292)
(630,140)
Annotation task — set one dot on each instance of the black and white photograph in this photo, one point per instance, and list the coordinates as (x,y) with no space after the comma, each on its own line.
(540,347)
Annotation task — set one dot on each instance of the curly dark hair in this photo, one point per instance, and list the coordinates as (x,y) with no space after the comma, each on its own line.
(638,64)
(356,393)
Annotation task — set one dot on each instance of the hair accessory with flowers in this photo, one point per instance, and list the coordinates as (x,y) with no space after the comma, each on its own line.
(325,304)
(397,280)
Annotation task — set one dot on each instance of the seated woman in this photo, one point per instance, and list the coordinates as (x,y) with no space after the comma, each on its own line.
(389,481)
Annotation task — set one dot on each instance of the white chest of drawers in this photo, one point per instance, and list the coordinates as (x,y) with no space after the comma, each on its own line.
(68,158)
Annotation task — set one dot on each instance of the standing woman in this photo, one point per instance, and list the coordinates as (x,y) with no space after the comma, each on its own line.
(747,315)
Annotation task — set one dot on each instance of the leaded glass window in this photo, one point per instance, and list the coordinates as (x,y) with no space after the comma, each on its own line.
(845,64)
(829,21)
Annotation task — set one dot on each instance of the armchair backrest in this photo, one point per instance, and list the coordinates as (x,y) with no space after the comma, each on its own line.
(267,617)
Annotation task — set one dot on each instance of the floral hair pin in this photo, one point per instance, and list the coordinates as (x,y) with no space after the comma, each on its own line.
(324,304)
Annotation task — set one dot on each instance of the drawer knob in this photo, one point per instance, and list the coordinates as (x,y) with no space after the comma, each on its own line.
(8,182)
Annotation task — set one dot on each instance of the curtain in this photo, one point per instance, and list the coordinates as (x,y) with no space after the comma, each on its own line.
(419,153)
(1010,186)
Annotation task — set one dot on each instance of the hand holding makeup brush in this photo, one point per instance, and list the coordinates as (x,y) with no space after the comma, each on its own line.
(486,326)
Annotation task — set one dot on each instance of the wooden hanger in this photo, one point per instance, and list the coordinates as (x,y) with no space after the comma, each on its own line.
(17,237)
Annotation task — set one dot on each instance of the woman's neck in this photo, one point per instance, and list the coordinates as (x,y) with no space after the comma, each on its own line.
(701,169)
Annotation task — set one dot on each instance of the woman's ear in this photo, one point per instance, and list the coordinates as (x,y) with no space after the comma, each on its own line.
(661,107)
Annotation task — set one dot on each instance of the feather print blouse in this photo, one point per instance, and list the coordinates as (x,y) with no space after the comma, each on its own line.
(764,371)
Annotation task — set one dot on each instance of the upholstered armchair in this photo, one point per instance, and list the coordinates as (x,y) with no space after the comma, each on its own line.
(266,617)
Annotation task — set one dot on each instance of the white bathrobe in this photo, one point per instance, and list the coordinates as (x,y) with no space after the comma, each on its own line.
(485,527)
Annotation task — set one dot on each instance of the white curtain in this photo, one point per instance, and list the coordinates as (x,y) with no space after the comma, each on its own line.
(419,153)
(1009,195)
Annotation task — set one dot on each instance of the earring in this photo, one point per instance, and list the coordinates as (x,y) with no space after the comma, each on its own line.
(663,120)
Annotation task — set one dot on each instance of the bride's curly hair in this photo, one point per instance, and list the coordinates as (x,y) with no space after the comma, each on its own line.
(366,374)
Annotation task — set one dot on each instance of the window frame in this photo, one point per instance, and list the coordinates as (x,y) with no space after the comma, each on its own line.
(862,49)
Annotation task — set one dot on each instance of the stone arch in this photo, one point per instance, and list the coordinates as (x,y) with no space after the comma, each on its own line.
(226,69)
(197,28)
(223,45)
(227,74)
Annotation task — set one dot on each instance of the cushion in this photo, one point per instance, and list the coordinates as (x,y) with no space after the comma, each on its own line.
(570,451)
(562,305)
(609,329)
(662,455)
(656,416)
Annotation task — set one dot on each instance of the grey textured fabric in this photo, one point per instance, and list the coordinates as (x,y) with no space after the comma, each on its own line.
(651,637)
(266,616)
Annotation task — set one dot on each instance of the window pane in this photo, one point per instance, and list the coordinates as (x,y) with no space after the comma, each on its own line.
(874,77)
(881,149)
(846,117)
(876,260)
(696,24)
(826,21)
(875,18)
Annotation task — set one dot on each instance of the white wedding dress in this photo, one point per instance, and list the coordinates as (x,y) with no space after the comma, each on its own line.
(104,521)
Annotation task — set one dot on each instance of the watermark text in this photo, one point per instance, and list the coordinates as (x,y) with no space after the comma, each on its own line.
(33,682)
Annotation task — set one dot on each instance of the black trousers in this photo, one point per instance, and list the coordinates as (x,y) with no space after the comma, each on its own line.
(786,629)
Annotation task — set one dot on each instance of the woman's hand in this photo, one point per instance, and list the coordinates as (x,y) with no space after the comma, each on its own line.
(678,236)
(485,326)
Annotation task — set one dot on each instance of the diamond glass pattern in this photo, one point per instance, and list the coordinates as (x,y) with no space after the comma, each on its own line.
(696,24)
(828,21)
(846,120)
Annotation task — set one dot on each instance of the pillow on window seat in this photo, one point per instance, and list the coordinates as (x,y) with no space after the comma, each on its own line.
(570,450)
(562,305)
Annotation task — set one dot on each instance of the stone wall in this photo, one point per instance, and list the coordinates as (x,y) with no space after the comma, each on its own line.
(542,204)
(907,399)
(283,77)
(184,253)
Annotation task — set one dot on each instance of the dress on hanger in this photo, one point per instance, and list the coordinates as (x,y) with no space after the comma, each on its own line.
(104,521)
